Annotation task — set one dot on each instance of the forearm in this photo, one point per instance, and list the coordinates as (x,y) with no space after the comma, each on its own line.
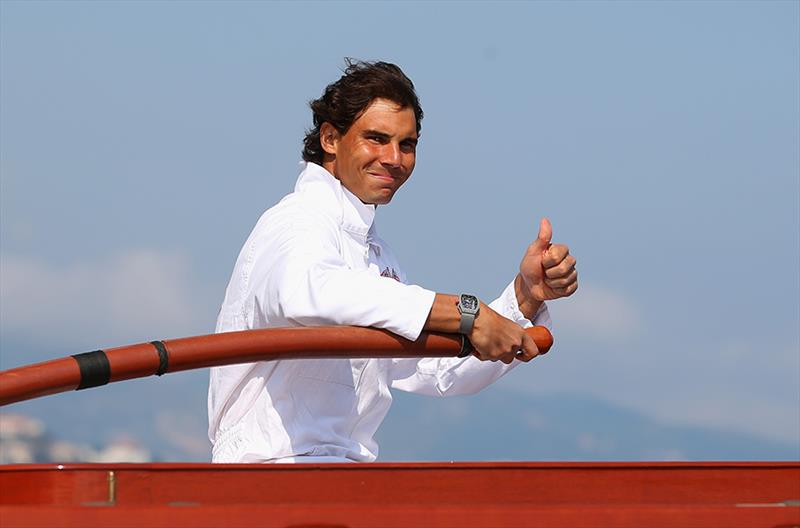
(444,315)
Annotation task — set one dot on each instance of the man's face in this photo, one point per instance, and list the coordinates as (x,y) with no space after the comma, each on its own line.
(377,154)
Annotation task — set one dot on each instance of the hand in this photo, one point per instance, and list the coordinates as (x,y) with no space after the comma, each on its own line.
(547,271)
(496,338)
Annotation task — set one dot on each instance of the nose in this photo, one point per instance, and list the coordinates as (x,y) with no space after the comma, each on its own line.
(391,155)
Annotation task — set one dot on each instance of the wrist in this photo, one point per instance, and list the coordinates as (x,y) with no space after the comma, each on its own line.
(481,320)
(469,309)
(527,303)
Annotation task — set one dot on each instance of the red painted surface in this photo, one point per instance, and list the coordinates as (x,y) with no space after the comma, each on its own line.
(422,494)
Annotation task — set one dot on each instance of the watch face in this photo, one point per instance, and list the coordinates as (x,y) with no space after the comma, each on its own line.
(469,303)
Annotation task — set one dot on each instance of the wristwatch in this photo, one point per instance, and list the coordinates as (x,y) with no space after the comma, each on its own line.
(468,307)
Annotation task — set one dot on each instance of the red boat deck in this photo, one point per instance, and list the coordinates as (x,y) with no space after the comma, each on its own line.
(485,494)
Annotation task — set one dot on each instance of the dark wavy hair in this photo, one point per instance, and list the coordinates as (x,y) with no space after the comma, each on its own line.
(346,99)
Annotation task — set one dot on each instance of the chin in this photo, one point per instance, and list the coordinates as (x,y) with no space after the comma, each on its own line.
(381,197)
(383,200)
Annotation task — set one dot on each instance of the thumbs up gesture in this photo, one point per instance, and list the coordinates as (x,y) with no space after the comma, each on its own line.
(547,271)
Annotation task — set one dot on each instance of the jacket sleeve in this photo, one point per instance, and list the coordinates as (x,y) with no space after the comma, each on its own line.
(300,278)
(459,376)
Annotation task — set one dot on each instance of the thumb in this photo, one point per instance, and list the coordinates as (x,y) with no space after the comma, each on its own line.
(529,348)
(545,234)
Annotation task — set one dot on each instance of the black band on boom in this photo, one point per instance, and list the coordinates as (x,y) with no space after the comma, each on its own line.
(163,357)
(94,367)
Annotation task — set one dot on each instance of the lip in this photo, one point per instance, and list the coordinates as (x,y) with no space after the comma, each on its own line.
(382,177)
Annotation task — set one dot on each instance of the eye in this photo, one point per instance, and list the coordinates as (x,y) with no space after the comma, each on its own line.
(409,147)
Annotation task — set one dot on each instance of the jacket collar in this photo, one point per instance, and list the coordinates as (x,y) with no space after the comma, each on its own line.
(353,215)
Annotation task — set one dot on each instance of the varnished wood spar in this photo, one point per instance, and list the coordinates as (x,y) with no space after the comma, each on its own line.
(142,360)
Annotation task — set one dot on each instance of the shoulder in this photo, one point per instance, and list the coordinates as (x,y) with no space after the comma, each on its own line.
(297,212)
(292,228)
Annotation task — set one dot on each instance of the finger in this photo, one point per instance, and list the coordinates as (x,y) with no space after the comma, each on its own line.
(545,235)
(566,291)
(554,255)
(529,349)
(545,231)
(563,269)
(562,282)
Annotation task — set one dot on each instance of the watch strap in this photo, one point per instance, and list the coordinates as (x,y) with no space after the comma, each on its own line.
(467,322)
(466,347)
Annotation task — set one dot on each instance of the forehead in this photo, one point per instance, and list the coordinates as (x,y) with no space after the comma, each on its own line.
(387,116)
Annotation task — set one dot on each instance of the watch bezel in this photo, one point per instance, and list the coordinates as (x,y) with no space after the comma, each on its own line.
(467,309)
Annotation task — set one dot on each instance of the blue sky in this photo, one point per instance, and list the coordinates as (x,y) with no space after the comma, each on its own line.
(140,141)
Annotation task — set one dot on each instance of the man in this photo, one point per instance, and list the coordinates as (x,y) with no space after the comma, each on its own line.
(315,259)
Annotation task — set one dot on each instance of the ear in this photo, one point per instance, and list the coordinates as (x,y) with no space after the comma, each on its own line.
(329,138)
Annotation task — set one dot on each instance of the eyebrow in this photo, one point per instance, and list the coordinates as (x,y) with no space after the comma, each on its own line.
(378,133)
(384,135)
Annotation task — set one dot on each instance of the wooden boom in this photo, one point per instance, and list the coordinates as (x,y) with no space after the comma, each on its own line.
(92,369)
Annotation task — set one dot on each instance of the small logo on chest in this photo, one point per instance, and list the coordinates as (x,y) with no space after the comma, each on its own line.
(389,272)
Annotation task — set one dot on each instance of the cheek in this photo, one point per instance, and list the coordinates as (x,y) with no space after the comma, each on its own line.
(368,152)
(410,163)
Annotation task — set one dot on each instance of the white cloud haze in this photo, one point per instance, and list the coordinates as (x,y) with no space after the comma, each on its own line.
(598,313)
(131,295)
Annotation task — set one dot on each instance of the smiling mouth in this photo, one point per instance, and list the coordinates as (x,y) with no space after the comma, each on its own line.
(384,177)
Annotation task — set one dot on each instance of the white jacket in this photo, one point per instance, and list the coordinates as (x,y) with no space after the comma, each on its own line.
(315,259)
